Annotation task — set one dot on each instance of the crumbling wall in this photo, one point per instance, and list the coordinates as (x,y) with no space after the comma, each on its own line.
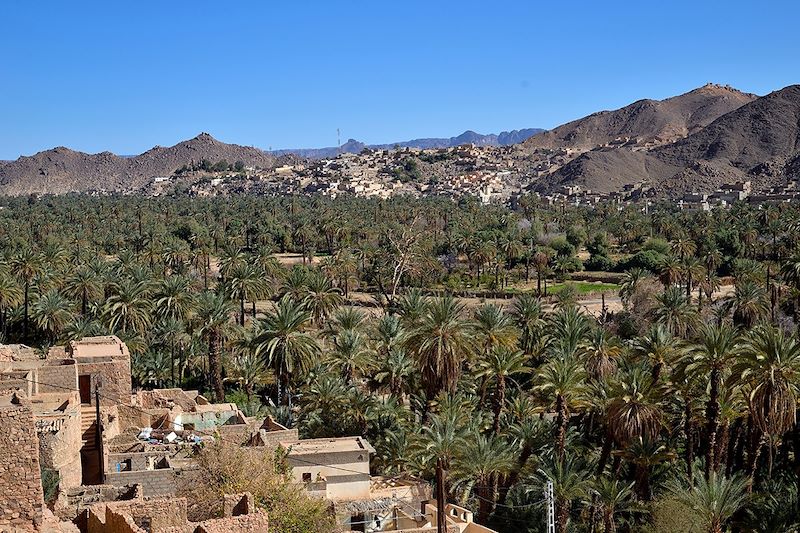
(144,515)
(153,482)
(255,523)
(21,497)
(59,440)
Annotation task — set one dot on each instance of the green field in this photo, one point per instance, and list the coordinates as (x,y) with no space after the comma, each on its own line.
(584,287)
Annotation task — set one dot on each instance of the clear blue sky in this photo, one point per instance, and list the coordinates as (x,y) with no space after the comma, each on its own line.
(125,76)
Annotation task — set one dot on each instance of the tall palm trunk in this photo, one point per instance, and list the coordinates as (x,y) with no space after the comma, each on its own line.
(712,416)
(215,365)
(561,426)
(605,452)
(688,427)
(562,515)
(499,402)
(609,525)
(25,317)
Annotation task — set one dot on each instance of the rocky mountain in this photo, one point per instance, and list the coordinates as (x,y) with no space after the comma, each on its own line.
(652,122)
(61,170)
(353,146)
(759,141)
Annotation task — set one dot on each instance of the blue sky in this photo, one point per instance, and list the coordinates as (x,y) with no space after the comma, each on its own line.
(125,76)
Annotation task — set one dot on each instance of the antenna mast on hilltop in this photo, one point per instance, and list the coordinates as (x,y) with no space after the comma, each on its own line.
(338,141)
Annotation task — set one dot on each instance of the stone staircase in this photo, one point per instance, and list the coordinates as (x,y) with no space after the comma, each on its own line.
(88,428)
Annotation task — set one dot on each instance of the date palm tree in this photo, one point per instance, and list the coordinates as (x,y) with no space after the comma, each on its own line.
(711,357)
(482,460)
(529,318)
(500,365)
(570,477)
(245,282)
(249,370)
(612,497)
(562,381)
(128,307)
(715,499)
(84,285)
(322,297)
(51,313)
(674,311)
(26,264)
(631,281)
(211,319)
(395,369)
(174,299)
(440,344)
(350,353)
(494,328)
(658,346)
(286,343)
(644,454)
(633,410)
(768,367)
(10,297)
(601,354)
(749,303)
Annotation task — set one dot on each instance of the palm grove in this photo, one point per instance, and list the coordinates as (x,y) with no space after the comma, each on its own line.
(676,413)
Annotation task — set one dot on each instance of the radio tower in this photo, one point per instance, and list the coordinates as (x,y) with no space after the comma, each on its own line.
(338,141)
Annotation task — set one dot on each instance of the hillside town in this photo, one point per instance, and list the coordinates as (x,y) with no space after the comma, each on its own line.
(122,457)
(492,174)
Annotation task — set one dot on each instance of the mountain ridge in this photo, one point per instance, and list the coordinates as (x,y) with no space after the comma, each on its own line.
(504,138)
(759,141)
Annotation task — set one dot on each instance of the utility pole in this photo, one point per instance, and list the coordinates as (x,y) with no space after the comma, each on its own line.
(98,436)
(551,512)
(441,525)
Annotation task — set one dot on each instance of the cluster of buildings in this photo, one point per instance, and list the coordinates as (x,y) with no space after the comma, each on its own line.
(493,174)
(740,191)
(113,460)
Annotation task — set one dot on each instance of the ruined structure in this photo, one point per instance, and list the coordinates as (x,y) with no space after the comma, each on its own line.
(20,479)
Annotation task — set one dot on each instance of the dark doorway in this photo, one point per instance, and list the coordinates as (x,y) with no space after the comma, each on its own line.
(357,523)
(85,387)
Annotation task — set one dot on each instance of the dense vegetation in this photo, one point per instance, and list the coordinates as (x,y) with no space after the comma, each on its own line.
(674,412)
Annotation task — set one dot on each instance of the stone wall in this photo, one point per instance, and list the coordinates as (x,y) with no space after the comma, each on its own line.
(255,523)
(161,482)
(111,376)
(21,497)
(59,438)
(57,376)
(137,516)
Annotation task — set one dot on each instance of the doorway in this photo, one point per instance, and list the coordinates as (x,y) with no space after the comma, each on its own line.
(85,388)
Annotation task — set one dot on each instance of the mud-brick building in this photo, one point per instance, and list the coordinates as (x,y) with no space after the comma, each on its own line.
(20,478)
(103,365)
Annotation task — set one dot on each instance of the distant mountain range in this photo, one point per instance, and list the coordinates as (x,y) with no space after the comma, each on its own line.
(61,170)
(695,141)
(353,146)
(758,140)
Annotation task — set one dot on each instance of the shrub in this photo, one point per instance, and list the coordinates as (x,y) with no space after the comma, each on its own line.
(226,468)
(600,262)
(657,245)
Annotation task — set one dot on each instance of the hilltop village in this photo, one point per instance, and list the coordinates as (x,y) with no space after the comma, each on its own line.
(493,175)
(120,457)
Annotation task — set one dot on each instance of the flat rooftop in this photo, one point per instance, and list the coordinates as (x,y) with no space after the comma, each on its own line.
(104,346)
(312,446)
